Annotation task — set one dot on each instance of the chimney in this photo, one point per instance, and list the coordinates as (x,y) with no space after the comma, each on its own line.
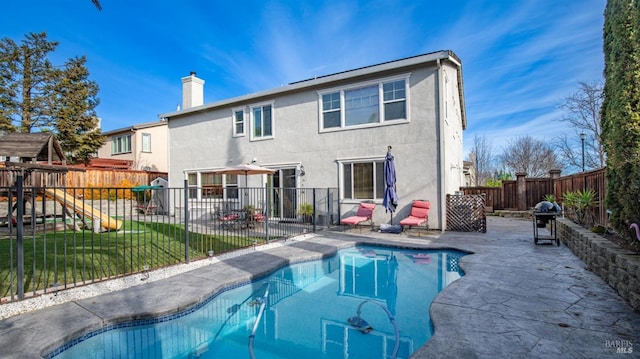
(192,91)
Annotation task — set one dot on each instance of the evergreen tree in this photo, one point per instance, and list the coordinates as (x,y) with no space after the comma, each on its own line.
(26,76)
(35,95)
(74,110)
(621,112)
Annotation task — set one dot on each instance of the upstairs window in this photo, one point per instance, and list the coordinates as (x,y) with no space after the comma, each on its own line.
(238,123)
(146,142)
(262,122)
(331,109)
(121,144)
(363,106)
(395,100)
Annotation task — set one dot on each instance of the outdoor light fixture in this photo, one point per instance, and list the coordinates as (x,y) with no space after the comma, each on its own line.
(582,137)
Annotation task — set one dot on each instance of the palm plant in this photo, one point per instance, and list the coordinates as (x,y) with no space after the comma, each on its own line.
(581,204)
(549,198)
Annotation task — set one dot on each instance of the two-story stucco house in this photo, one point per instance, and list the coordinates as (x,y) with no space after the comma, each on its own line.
(334,131)
(145,145)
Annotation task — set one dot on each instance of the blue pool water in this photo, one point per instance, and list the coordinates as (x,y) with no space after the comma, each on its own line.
(364,302)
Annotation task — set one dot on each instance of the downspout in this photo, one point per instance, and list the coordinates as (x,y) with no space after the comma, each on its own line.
(439,150)
(339,199)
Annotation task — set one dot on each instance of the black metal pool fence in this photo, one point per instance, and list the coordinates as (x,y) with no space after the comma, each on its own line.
(58,238)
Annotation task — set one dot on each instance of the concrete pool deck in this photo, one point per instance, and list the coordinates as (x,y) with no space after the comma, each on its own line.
(516,300)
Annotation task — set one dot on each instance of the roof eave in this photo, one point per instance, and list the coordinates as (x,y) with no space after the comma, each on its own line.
(319,81)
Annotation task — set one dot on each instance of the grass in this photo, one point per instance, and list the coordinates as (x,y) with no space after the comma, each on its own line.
(66,258)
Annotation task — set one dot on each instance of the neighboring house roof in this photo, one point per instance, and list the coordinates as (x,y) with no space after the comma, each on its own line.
(107,163)
(41,146)
(134,128)
(320,81)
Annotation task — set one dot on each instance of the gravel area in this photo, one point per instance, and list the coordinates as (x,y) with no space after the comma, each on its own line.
(91,290)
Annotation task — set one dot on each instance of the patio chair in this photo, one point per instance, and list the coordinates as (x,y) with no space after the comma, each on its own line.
(255,216)
(226,218)
(364,214)
(419,215)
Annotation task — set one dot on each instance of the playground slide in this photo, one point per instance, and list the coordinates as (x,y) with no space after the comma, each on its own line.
(82,209)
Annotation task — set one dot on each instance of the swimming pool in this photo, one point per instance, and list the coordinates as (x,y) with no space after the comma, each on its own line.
(364,302)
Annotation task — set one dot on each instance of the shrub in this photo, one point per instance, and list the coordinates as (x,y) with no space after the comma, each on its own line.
(579,206)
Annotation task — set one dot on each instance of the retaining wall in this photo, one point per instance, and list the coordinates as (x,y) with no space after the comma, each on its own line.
(619,267)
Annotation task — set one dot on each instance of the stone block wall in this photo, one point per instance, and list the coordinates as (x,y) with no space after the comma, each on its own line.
(619,267)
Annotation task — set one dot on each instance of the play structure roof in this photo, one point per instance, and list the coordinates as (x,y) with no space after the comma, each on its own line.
(31,146)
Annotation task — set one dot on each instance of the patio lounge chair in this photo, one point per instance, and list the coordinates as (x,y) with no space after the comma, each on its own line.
(419,214)
(364,214)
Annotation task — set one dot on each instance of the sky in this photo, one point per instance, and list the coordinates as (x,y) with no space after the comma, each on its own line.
(520,58)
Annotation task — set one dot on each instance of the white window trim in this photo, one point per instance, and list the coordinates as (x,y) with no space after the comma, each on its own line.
(130,150)
(341,162)
(379,82)
(273,121)
(198,185)
(244,121)
(142,136)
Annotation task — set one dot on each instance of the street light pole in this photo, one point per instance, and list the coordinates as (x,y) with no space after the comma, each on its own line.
(582,137)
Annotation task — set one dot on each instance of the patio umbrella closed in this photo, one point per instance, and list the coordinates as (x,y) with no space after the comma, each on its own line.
(390,200)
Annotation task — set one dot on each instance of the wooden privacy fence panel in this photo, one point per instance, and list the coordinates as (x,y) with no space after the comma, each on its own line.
(537,188)
(592,180)
(111,178)
(492,196)
(509,189)
(466,213)
(506,197)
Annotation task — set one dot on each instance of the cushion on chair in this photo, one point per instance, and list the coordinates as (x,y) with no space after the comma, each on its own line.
(364,213)
(365,209)
(353,220)
(420,209)
(419,214)
(412,221)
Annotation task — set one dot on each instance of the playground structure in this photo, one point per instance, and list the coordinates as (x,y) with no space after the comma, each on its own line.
(43,199)
(35,172)
(84,211)
(152,199)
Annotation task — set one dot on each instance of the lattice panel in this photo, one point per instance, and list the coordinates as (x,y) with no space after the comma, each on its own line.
(466,213)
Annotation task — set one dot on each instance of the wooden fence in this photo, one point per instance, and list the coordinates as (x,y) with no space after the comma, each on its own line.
(533,190)
(60,176)
(111,178)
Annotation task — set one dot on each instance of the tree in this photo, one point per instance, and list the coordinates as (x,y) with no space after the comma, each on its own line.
(25,83)
(75,101)
(38,96)
(498,177)
(482,157)
(621,112)
(533,157)
(582,113)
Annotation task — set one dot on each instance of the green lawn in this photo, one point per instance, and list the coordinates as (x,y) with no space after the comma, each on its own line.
(68,257)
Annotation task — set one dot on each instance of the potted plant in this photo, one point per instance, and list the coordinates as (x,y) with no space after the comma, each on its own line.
(306,212)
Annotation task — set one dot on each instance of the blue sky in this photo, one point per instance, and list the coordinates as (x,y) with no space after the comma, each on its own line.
(520,58)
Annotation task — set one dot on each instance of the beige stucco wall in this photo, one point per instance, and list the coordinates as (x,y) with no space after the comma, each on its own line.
(156,160)
(204,140)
